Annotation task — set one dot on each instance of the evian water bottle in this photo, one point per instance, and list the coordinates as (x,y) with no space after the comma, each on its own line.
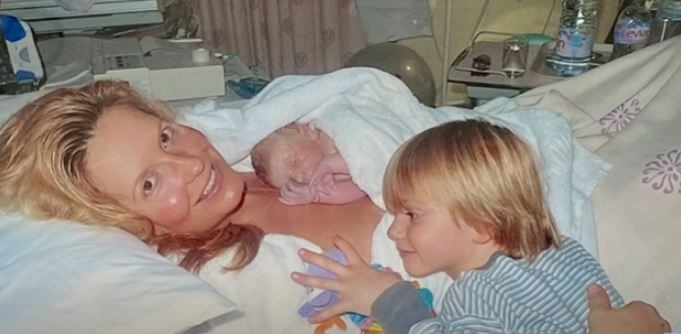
(632,29)
(574,43)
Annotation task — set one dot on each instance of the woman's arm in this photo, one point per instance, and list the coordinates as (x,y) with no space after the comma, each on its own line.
(634,318)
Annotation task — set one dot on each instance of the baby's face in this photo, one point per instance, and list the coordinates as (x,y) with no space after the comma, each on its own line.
(288,156)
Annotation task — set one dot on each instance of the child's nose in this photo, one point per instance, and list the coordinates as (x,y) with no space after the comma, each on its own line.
(397,229)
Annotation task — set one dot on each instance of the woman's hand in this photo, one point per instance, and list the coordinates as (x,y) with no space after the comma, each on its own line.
(634,318)
(358,284)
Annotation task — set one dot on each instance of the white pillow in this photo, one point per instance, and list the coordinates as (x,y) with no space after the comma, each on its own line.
(12,103)
(61,277)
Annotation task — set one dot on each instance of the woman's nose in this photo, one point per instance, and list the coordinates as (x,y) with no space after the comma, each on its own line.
(190,166)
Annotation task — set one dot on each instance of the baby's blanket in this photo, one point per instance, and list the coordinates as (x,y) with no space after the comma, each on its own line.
(369,113)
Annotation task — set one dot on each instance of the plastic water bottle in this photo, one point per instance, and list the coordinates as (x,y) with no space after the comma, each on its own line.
(578,22)
(667,22)
(632,29)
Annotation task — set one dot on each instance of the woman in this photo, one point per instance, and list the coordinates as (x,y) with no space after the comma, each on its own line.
(104,155)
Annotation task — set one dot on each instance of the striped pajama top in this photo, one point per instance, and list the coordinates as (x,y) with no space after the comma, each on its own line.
(547,295)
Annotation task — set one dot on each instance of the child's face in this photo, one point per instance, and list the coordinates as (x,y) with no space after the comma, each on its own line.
(291,157)
(430,241)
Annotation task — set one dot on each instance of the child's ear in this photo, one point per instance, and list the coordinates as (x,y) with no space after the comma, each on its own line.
(482,235)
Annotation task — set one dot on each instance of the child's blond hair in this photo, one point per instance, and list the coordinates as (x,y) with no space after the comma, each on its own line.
(485,175)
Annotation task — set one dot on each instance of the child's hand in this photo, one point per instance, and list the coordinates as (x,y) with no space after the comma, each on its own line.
(358,284)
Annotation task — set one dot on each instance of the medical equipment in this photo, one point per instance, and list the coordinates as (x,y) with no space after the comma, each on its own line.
(163,69)
(20,65)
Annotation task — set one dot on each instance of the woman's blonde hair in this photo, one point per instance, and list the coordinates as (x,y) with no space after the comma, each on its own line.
(43,168)
(485,175)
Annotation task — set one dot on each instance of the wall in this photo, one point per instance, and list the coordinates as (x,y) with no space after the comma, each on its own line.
(514,16)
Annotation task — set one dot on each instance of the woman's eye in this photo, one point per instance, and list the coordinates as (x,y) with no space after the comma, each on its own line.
(166,135)
(148,186)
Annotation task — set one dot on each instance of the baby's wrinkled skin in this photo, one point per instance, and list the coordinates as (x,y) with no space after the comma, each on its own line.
(305,165)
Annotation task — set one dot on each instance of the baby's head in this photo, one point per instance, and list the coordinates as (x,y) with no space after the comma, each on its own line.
(289,153)
(485,176)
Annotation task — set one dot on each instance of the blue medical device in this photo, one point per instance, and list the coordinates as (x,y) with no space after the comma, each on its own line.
(21,69)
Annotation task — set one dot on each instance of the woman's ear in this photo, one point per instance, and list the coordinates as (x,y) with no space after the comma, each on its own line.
(158,229)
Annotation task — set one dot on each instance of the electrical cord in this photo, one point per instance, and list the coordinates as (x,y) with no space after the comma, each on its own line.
(548,17)
(444,53)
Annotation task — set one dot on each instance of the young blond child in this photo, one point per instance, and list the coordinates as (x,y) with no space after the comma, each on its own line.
(304,164)
(467,200)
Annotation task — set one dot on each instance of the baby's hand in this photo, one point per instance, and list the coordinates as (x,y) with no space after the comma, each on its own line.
(306,130)
(294,193)
(321,183)
(357,283)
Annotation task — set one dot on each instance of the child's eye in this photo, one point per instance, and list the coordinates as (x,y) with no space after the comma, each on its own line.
(166,135)
(412,215)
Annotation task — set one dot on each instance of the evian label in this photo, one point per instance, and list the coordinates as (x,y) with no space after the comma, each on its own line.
(573,44)
(632,33)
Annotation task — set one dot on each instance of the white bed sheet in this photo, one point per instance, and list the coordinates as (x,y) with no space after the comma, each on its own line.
(636,101)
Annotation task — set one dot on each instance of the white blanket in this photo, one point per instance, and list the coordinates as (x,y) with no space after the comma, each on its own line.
(369,114)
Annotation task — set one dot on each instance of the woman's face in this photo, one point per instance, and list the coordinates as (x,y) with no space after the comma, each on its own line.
(161,170)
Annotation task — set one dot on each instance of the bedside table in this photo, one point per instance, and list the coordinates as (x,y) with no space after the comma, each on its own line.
(484,86)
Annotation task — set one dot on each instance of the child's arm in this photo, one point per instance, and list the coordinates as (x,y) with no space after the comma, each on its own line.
(357,283)
(398,308)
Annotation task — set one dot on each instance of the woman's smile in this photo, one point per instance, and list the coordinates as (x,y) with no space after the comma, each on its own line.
(212,186)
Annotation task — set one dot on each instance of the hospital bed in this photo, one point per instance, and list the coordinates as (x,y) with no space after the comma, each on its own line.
(69,278)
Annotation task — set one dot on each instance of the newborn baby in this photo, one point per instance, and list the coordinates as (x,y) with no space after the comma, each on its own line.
(304,164)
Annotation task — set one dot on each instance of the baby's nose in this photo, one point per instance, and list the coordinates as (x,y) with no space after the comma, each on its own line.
(299,176)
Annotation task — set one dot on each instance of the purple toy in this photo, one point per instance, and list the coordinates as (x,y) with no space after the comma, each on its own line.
(318,299)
